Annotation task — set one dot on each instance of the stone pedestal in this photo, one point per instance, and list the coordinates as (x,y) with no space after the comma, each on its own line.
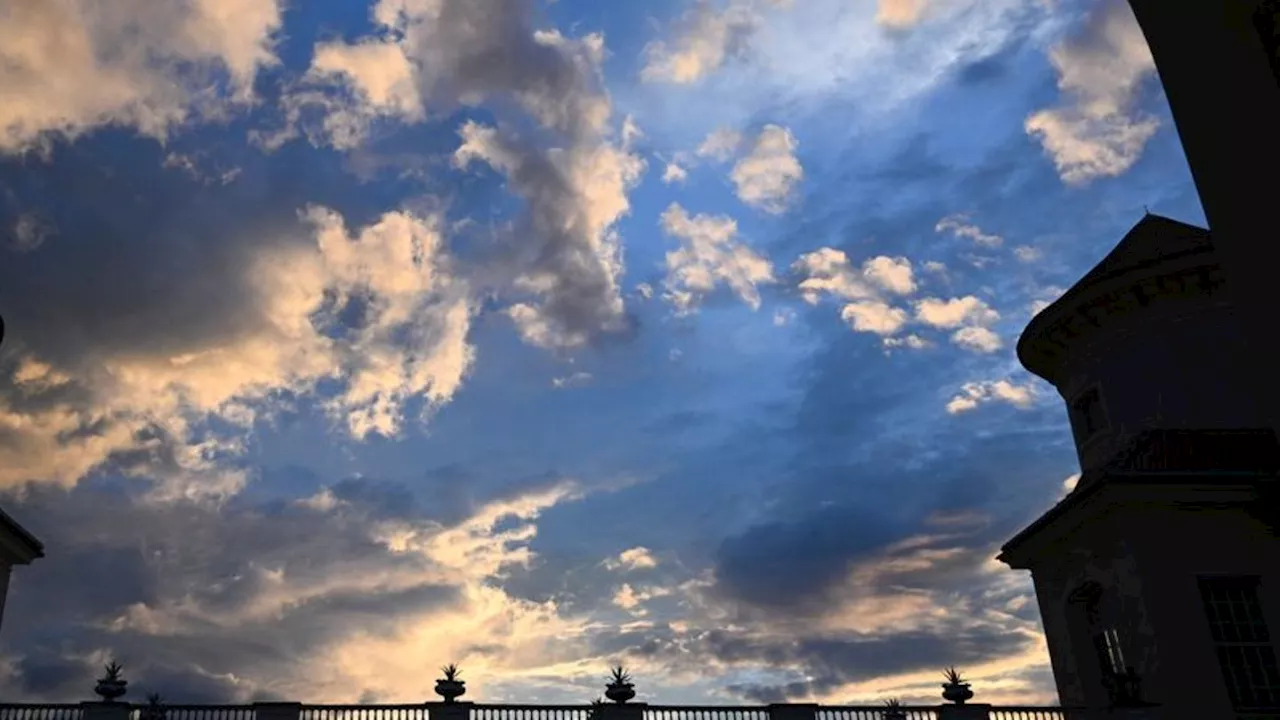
(105,710)
(277,710)
(623,711)
(788,711)
(449,711)
(968,711)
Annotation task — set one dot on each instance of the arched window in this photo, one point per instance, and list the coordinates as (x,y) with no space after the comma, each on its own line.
(1100,624)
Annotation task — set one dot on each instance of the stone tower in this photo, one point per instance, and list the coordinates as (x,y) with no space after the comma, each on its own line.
(1219,64)
(1163,564)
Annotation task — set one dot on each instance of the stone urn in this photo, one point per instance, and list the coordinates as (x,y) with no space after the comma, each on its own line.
(153,710)
(955,689)
(620,688)
(451,686)
(112,685)
(893,710)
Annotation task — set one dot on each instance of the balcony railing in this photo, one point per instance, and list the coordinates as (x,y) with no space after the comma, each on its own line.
(477,711)
(530,712)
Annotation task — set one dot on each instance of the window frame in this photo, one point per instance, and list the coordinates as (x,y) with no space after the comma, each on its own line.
(1081,420)
(1237,627)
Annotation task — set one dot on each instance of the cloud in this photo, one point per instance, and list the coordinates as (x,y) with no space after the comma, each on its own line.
(874,317)
(706,38)
(564,258)
(960,226)
(955,312)
(1099,133)
(30,231)
(570,258)
(767,176)
(673,173)
(1027,254)
(636,558)
(721,144)
(978,339)
(976,393)
(899,14)
(710,255)
(70,67)
(1044,297)
(137,393)
(829,271)
(278,610)
(969,316)
(577,379)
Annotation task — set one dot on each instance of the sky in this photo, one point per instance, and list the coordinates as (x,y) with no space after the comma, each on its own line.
(349,339)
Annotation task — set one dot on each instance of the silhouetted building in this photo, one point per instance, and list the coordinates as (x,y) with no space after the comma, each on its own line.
(17,547)
(1219,63)
(1162,565)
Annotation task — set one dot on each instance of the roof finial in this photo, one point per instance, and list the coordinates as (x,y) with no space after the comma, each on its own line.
(1146,210)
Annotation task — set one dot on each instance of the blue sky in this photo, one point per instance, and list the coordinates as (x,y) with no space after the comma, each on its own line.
(346,340)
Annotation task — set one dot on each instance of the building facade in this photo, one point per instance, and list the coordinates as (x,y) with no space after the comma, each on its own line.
(17,547)
(1158,576)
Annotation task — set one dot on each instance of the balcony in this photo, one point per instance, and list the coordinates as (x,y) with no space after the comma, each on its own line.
(482,711)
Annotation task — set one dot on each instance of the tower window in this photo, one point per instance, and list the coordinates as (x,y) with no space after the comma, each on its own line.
(1089,415)
(1245,652)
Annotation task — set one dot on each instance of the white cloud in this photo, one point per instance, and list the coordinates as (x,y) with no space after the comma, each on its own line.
(892,274)
(706,38)
(976,393)
(721,144)
(632,600)
(969,316)
(636,558)
(644,290)
(1101,69)
(1027,254)
(874,317)
(960,226)
(783,317)
(710,255)
(914,342)
(829,271)
(767,177)
(68,67)
(978,339)
(577,379)
(955,312)
(673,173)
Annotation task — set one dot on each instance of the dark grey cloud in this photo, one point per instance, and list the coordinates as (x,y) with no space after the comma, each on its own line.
(199,576)
(835,662)
(784,564)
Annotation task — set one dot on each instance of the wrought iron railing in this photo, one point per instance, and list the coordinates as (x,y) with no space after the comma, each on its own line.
(1014,712)
(706,712)
(876,712)
(480,711)
(416,711)
(196,712)
(530,712)
(39,712)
